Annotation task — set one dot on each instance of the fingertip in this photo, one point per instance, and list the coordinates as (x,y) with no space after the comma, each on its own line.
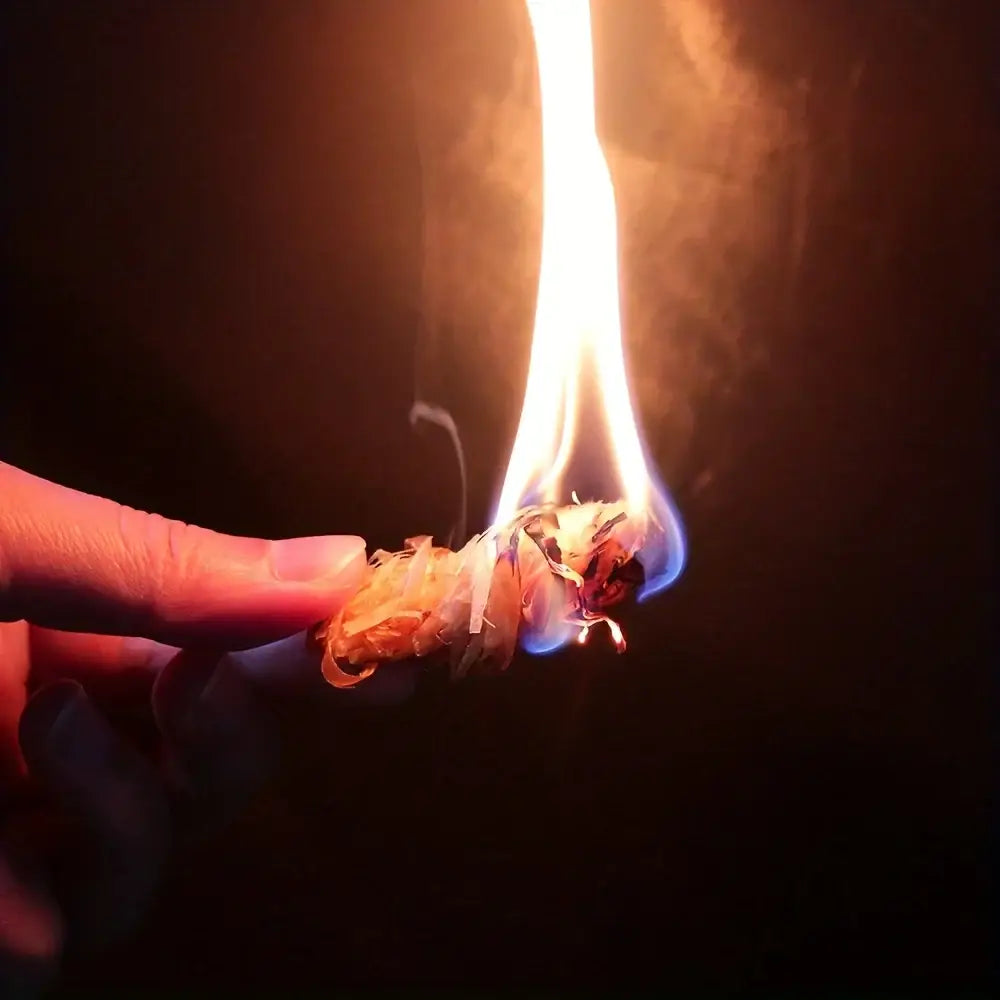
(294,666)
(289,665)
(300,582)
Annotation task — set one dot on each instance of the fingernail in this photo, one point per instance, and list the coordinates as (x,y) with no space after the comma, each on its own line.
(322,557)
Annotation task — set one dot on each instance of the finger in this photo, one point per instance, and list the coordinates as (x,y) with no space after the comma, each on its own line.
(117,671)
(220,740)
(80,563)
(85,656)
(31,930)
(122,670)
(221,737)
(292,665)
(116,796)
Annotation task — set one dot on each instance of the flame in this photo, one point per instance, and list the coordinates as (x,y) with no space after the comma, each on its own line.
(576,349)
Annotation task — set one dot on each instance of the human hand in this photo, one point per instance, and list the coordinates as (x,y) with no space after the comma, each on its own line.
(96,603)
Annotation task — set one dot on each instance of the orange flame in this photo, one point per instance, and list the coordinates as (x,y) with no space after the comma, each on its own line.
(577,341)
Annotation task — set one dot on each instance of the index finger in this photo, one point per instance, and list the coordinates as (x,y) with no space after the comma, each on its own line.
(77,562)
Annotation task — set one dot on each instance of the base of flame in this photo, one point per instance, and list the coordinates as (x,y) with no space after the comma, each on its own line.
(549,573)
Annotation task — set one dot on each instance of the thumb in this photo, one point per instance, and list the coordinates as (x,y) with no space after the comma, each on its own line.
(80,563)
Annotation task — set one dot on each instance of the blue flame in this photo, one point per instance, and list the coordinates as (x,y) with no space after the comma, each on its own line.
(664,555)
(547,640)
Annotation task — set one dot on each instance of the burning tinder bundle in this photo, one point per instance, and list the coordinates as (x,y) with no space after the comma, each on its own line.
(549,571)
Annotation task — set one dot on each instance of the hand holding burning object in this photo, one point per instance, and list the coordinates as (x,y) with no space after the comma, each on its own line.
(95,602)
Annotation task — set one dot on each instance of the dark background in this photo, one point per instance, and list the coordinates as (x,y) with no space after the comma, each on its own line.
(215,262)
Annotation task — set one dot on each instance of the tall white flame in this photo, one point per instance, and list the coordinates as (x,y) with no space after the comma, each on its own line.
(577,341)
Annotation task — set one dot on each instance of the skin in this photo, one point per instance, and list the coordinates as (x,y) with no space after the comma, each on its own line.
(111,615)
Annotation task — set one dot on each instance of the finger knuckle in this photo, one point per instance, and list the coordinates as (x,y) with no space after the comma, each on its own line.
(166,552)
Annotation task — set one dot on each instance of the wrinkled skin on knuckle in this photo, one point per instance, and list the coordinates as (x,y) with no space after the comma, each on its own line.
(161,556)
